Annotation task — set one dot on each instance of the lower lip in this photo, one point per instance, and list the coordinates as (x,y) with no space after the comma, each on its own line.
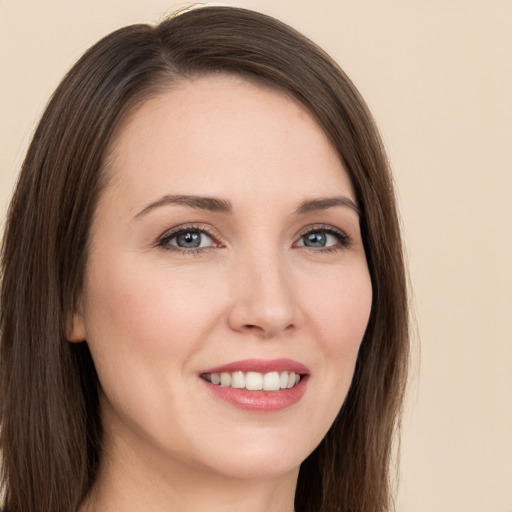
(260,401)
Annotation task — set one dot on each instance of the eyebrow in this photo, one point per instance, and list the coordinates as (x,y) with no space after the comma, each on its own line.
(214,204)
(211,204)
(314,205)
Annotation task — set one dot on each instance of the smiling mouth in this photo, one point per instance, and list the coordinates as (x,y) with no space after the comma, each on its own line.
(254,381)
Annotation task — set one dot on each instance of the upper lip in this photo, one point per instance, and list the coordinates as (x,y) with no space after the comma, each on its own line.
(261,366)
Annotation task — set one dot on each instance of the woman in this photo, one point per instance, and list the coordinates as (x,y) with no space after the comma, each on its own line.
(203,296)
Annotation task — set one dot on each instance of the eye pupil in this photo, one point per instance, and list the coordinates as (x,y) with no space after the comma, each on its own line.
(188,240)
(315,239)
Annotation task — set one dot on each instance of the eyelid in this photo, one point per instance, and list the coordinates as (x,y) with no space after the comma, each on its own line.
(164,238)
(345,241)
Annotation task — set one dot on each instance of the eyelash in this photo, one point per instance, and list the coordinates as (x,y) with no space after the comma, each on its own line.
(163,242)
(344,241)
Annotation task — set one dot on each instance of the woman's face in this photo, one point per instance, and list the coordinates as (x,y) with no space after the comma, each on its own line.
(225,247)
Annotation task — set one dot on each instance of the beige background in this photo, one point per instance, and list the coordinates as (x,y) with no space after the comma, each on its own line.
(438,76)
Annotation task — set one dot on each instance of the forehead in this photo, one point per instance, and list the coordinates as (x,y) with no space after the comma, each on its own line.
(203,134)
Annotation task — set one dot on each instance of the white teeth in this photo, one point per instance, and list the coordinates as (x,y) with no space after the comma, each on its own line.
(255,381)
(271,381)
(238,380)
(225,379)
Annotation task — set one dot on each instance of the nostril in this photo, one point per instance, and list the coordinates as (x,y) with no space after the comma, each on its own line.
(251,327)
(260,330)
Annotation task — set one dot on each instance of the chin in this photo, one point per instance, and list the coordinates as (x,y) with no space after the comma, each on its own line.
(258,466)
(259,456)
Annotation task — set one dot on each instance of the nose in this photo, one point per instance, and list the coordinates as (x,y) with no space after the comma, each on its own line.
(264,297)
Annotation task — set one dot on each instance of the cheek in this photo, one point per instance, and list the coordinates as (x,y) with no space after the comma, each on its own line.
(338,315)
(340,309)
(130,300)
(143,323)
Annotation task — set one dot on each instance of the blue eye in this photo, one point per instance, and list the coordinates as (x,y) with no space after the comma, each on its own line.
(316,239)
(324,238)
(187,238)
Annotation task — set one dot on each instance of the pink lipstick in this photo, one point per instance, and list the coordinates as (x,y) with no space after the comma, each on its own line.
(258,384)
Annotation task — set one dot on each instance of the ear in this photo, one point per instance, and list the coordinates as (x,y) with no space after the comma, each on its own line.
(75,326)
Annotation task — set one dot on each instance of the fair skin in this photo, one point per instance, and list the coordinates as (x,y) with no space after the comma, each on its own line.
(272,271)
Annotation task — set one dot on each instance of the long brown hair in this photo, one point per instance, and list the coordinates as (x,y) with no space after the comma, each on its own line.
(51,434)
